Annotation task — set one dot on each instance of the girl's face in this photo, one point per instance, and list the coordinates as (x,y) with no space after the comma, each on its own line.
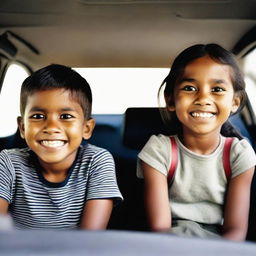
(204,97)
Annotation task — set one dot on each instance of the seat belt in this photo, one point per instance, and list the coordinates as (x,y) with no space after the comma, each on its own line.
(225,157)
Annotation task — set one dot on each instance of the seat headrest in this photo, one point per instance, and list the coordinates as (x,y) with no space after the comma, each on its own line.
(140,124)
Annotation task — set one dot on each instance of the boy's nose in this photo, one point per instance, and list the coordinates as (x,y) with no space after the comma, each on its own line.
(51,126)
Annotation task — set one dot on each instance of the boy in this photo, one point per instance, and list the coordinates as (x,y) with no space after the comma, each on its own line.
(56,183)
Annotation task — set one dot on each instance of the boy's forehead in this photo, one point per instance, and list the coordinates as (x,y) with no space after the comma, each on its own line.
(52,97)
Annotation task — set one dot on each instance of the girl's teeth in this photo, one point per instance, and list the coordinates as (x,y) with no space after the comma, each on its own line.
(52,143)
(203,114)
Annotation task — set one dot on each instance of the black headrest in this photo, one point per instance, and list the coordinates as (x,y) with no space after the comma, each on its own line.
(12,141)
(140,124)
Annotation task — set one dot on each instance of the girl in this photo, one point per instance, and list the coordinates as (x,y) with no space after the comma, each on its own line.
(204,87)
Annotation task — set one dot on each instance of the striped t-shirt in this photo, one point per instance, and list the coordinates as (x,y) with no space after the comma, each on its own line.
(36,203)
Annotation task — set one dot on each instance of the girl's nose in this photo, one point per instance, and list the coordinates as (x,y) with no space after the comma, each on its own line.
(203,98)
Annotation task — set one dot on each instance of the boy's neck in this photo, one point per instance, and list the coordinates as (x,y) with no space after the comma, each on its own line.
(57,171)
(55,177)
(54,173)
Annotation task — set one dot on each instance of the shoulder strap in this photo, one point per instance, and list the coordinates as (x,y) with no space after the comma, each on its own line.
(174,159)
(226,158)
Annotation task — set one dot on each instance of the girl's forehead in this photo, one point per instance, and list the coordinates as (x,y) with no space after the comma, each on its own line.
(205,67)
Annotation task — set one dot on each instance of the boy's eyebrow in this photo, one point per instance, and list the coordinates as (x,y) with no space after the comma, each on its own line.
(35,109)
(39,109)
(67,109)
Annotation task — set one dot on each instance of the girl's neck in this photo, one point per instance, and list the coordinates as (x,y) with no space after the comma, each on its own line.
(200,144)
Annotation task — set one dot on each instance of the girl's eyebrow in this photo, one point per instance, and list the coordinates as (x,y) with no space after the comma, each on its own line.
(191,80)
(187,79)
(219,81)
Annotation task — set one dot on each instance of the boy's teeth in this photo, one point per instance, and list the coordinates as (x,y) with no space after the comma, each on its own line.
(52,143)
(202,114)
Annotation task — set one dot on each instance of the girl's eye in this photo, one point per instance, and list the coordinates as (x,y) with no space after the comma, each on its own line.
(218,89)
(189,88)
(37,116)
(66,116)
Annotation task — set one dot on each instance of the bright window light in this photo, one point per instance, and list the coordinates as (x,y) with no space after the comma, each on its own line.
(116,89)
(10,99)
(113,89)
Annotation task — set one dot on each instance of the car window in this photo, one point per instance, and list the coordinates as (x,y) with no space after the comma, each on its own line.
(116,89)
(9,98)
(250,77)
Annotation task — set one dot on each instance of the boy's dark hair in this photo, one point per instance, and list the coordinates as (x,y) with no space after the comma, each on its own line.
(57,76)
(218,54)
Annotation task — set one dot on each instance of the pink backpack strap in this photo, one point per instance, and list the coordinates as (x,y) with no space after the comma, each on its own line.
(226,157)
(174,159)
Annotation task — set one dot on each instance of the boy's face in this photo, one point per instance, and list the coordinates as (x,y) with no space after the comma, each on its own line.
(53,126)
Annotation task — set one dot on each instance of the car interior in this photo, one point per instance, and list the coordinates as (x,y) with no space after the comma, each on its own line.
(126,34)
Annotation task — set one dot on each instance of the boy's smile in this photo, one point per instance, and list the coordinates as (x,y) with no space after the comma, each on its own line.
(53,126)
(204,97)
(52,143)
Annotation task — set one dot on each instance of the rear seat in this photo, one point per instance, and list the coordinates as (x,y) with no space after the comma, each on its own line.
(124,136)
(138,125)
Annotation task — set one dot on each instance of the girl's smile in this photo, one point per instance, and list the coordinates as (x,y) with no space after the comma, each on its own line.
(202,114)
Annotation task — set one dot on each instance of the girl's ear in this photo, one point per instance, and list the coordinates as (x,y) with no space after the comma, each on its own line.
(21,126)
(88,128)
(170,103)
(235,104)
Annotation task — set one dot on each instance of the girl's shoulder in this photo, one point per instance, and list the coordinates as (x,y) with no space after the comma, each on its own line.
(159,139)
(242,156)
(240,146)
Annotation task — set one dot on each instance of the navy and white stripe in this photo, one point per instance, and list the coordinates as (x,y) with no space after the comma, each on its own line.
(36,203)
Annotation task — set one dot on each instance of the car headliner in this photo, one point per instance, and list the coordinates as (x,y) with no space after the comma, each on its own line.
(121,33)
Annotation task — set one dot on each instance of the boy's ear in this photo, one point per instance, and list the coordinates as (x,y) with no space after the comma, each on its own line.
(170,103)
(88,128)
(235,104)
(21,126)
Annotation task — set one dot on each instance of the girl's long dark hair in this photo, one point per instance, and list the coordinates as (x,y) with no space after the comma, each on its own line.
(218,54)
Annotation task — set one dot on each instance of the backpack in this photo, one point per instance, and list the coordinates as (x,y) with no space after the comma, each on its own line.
(225,157)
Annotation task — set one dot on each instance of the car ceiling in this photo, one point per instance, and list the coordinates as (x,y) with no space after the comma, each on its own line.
(121,33)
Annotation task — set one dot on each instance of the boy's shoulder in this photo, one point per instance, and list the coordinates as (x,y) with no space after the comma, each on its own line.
(22,152)
(88,149)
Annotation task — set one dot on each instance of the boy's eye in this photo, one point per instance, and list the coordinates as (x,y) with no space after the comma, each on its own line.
(66,116)
(189,88)
(218,89)
(37,116)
